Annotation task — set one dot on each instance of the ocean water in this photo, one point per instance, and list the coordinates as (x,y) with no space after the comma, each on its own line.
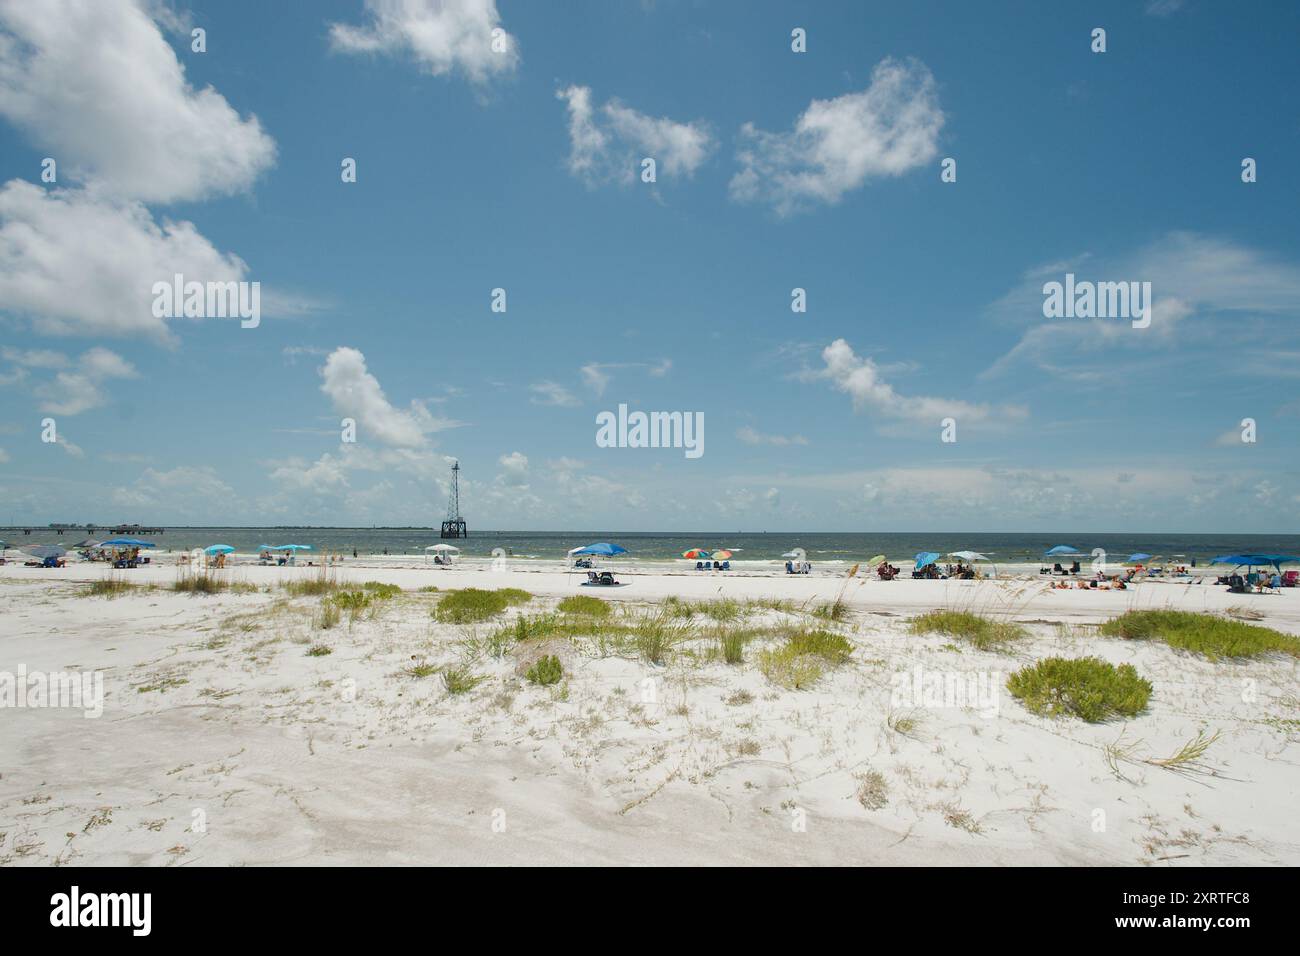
(845,547)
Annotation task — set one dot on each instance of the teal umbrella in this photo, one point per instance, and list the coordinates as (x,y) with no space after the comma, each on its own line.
(218,549)
(126,543)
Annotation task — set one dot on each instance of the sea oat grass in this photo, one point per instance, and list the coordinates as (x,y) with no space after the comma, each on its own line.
(982,632)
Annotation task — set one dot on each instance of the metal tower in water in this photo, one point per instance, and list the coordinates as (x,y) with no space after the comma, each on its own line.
(454,526)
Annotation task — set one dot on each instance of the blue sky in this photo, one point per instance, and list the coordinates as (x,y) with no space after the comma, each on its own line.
(520,170)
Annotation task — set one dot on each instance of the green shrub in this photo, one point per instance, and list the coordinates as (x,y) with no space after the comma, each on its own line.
(983,632)
(1086,687)
(1214,637)
(353,601)
(319,650)
(471,605)
(382,591)
(584,605)
(546,671)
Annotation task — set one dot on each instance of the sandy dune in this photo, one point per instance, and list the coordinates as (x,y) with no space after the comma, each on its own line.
(223,742)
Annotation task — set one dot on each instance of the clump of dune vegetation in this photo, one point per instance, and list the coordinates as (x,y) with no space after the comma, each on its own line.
(1086,687)
(983,632)
(200,584)
(546,671)
(313,587)
(471,605)
(1207,634)
(111,588)
(584,605)
(381,591)
(459,680)
(319,650)
(803,658)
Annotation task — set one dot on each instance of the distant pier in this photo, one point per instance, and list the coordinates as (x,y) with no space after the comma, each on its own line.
(87,529)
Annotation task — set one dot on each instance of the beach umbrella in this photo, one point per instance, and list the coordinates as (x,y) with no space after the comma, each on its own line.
(265,547)
(126,543)
(291,547)
(973,556)
(88,543)
(602,548)
(926,557)
(696,553)
(218,549)
(1140,556)
(1062,549)
(722,555)
(878,559)
(442,547)
(43,551)
(1255,560)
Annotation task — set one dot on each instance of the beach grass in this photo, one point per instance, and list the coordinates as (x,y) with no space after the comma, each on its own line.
(803,658)
(313,587)
(112,588)
(459,680)
(584,605)
(472,605)
(200,584)
(1088,688)
(983,632)
(1209,635)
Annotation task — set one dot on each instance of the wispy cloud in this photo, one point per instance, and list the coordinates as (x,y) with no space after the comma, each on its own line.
(837,145)
(752,436)
(607,143)
(859,378)
(551,393)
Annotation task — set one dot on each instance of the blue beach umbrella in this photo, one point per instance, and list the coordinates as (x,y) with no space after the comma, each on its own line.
(45,551)
(291,547)
(126,543)
(1062,549)
(218,549)
(602,548)
(926,557)
(1255,560)
(1141,556)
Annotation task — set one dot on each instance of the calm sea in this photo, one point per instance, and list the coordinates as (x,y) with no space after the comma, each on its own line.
(824,547)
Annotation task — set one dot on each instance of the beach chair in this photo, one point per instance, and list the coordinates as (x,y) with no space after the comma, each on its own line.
(726,565)
(1290,579)
(789,568)
(593,577)
(607,578)
(699,565)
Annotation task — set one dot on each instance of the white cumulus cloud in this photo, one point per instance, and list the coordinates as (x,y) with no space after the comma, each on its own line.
(836,145)
(441,35)
(98,85)
(357,394)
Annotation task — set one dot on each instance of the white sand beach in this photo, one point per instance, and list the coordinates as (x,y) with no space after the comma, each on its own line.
(223,741)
